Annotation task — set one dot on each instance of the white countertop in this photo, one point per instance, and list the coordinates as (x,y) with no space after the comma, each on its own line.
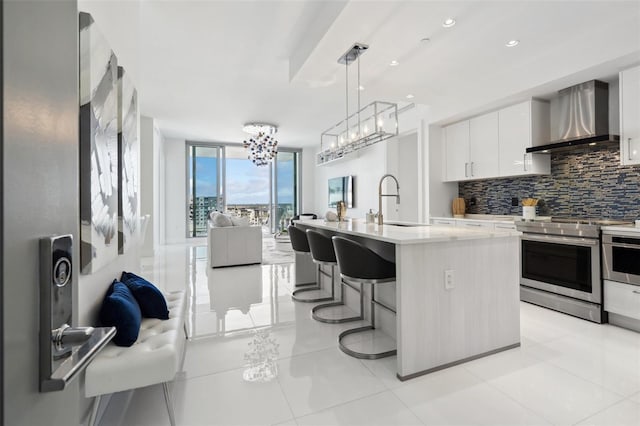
(407,234)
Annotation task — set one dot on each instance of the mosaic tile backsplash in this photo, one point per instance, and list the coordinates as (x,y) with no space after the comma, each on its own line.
(583,183)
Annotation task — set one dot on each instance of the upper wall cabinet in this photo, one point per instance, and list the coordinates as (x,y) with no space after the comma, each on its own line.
(630,116)
(471,148)
(494,144)
(483,146)
(522,126)
(456,138)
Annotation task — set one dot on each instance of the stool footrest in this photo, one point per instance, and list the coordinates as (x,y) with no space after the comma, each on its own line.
(295,295)
(362,355)
(317,317)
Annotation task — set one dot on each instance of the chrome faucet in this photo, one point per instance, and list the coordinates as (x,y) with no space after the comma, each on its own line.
(380,195)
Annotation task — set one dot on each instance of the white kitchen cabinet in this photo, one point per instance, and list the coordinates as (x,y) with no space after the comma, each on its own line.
(472,148)
(472,223)
(483,146)
(456,138)
(498,225)
(522,126)
(622,299)
(494,144)
(630,116)
(510,226)
(443,221)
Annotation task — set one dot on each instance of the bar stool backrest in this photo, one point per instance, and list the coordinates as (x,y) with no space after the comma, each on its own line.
(359,262)
(321,247)
(298,239)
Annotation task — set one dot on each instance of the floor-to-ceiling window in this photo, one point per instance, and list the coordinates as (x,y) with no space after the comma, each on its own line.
(285,189)
(247,186)
(221,177)
(203,186)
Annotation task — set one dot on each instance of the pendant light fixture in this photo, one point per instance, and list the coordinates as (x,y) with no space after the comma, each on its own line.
(374,123)
(262,146)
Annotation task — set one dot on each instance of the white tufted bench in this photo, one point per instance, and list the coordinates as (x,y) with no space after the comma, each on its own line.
(154,358)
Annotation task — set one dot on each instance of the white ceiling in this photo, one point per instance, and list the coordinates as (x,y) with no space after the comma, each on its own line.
(204,68)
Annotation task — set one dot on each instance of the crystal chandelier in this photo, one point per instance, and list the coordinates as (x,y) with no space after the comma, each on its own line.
(262,146)
(373,123)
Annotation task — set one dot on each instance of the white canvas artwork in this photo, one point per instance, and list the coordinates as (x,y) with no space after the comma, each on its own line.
(128,150)
(98,149)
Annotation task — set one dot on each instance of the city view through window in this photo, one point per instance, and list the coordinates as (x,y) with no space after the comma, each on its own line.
(247,188)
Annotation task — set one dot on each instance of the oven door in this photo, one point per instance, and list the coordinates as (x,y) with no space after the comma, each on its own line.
(568,266)
(621,258)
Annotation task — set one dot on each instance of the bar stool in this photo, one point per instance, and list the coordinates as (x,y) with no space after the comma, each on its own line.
(301,245)
(359,264)
(323,254)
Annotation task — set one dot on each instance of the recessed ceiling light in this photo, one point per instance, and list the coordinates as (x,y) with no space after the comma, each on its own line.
(393,63)
(410,96)
(449,22)
(545,151)
(425,39)
(360,87)
(512,43)
(592,144)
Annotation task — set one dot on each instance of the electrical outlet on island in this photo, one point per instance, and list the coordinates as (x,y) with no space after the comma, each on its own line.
(448,279)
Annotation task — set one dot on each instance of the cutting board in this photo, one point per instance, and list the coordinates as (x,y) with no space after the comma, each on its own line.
(458,207)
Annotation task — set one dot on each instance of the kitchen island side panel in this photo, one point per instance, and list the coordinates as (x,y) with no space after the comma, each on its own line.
(480,314)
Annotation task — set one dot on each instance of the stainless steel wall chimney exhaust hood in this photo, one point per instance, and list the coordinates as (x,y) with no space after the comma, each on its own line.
(583,118)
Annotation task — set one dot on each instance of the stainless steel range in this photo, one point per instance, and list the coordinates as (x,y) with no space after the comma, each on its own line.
(561,267)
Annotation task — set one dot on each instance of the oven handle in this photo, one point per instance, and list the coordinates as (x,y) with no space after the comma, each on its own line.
(585,242)
(622,245)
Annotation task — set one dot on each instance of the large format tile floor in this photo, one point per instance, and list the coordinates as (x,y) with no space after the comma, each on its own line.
(567,371)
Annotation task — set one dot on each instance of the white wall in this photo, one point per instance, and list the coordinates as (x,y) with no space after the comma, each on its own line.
(175,175)
(92,288)
(151,198)
(308,180)
(158,189)
(146,181)
(404,162)
(367,165)
(121,27)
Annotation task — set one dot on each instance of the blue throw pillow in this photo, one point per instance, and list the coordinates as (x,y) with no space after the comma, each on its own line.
(151,300)
(120,309)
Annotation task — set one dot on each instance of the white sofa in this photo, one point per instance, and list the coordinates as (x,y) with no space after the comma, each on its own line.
(234,245)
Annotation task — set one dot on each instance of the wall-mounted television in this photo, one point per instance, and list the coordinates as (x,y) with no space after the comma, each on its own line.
(341,189)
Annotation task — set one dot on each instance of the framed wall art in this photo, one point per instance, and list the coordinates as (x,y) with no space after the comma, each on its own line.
(98,149)
(128,152)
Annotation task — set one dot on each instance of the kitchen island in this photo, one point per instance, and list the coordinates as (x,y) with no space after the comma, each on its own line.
(442,322)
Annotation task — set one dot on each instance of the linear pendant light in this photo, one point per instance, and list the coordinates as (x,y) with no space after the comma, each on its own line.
(374,123)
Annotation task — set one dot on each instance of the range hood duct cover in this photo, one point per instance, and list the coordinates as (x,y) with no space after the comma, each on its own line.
(583,118)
